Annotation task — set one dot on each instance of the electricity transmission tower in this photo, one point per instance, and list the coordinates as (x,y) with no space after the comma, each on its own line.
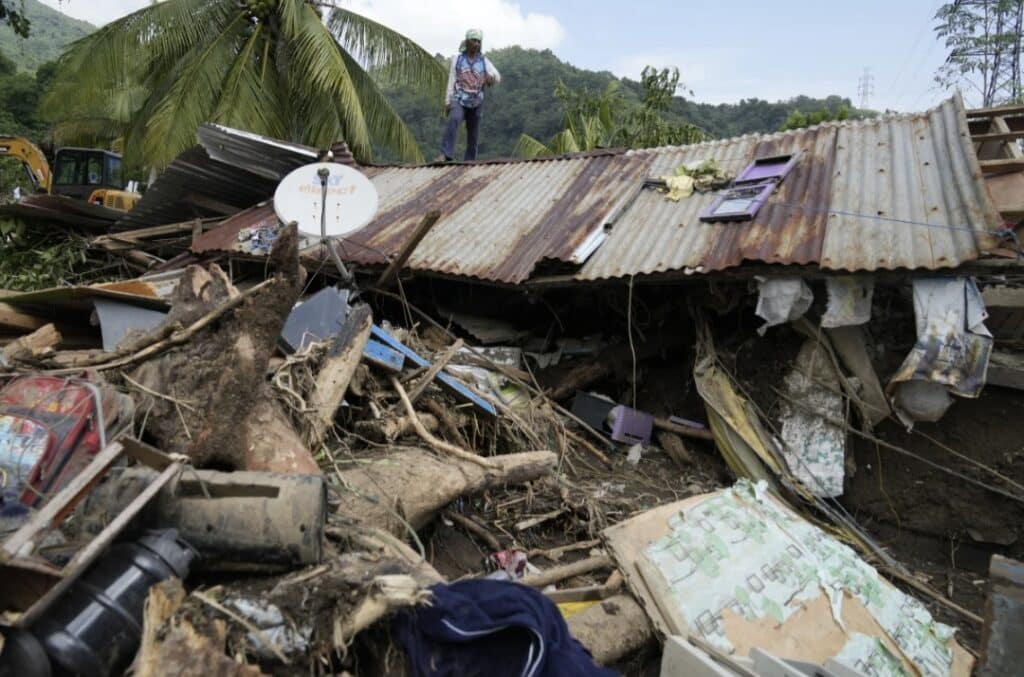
(865,88)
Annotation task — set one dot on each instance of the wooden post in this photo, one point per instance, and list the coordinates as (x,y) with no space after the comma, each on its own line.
(408,247)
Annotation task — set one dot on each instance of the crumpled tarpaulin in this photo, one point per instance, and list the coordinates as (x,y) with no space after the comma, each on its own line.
(952,351)
(782,300)
(849,301)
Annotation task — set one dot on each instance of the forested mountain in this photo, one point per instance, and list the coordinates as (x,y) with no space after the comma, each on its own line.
(50,32)
(525,103)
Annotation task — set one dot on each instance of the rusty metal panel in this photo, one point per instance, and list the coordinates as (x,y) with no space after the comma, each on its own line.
(498,220)
(908,193)
(896,192)
(855,201)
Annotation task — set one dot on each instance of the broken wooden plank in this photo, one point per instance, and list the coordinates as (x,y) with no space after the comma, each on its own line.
(339,365)
(455,386)
(34,346)
(379,355)
(15,318)
(98,545)
(434,370)
(408,247)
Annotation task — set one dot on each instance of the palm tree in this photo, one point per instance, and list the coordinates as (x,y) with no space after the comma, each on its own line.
(590,123)
(608,120)
(147,81)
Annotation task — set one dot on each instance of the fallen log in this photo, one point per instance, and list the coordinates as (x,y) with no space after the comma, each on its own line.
(566,571)
(232,421)
(34,346)
(612,629)
(409,485)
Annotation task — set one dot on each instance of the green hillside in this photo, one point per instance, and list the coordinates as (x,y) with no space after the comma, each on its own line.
(525,103)
(50,33)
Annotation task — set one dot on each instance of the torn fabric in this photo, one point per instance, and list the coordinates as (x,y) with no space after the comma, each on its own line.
(782,300)
(953,345)
(849,301)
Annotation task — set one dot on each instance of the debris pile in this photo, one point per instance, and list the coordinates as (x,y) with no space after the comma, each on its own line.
(276,453)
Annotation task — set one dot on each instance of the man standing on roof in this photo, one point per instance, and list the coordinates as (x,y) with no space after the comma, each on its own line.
(469,74)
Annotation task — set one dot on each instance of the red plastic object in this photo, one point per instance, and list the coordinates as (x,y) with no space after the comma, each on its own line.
(67,408)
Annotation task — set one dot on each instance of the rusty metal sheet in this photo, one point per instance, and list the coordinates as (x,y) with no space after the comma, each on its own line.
(898,192)
(224,237)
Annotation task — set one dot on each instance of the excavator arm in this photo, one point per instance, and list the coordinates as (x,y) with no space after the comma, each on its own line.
(31,157)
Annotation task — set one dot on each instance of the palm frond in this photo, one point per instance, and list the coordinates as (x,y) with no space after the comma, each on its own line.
(382,50)
(564,142)
(386,126)
(317,69)
(529,147)
(248,100)
(193,97)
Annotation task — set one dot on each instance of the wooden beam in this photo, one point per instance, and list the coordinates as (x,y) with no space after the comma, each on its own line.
(1005,165)
(996,111)
(1011,150)
(408,247)
(339,365)
(97,546)
(998,136)
(13,318)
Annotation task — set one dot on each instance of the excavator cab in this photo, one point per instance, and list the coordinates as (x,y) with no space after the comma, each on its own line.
(92,175)
(77,172)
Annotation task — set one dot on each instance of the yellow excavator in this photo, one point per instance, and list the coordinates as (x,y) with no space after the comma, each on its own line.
(78,173)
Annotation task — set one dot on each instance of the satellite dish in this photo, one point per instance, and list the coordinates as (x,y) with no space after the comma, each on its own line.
(351,199)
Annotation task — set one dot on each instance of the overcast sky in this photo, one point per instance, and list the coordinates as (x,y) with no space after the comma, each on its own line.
(726,50)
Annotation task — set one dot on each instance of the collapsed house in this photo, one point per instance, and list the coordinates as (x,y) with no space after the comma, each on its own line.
(724,405)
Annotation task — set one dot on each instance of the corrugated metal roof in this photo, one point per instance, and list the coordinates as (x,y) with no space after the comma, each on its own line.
(856,201)
(230,169)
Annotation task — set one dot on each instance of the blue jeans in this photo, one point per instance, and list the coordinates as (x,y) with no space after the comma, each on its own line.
(472,117)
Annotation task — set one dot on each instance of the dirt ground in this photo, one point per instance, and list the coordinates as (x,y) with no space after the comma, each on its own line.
(938,524)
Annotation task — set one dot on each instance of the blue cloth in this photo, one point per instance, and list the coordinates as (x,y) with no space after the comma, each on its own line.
(491,629)
(472,116)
